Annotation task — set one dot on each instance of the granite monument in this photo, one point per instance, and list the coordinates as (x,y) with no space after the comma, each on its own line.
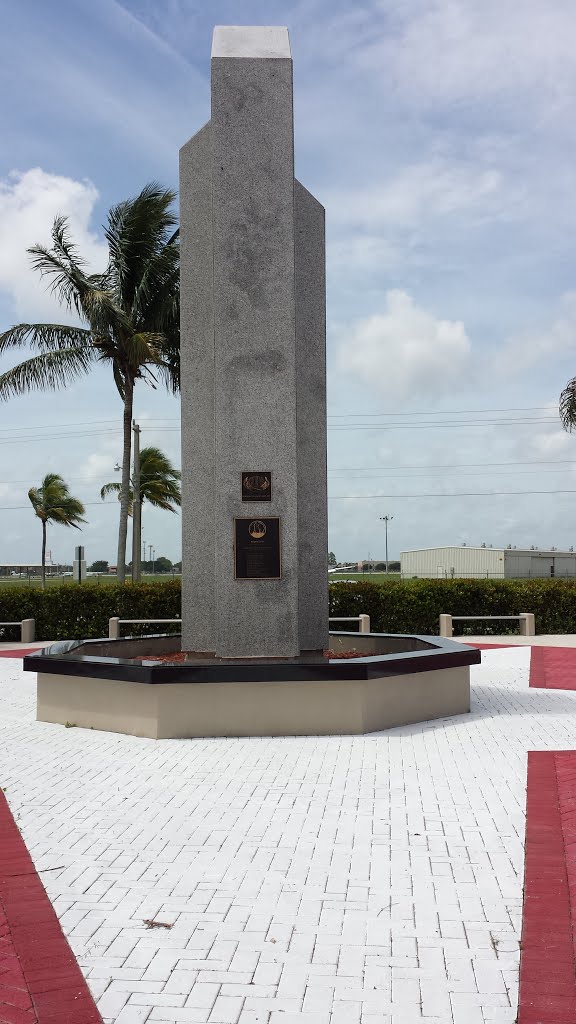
(254,568)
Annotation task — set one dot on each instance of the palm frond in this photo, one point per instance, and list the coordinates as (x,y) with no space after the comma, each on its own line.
(67,279)
(568,406)
(112,488)
(136,231)
(52,502)
(116,488)
(35,496)
(85,294)
(63,245)
(101,311)
(164,496)
(159,480)
(50,370)
(160,278)
(44,337)
(144,348)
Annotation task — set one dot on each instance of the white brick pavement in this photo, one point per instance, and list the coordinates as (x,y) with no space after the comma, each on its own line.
(350,880)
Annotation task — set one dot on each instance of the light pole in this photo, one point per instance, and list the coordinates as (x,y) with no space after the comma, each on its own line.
(386,520)
(136,507)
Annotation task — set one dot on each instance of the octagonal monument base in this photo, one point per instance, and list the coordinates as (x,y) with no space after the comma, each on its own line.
(395,680)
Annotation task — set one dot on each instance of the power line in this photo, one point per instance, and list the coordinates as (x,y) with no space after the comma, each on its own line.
(456,465)
(456,494)
(341,427)
(459,424)
(16,508)
(71,435)
(84,423)
(370,469)
(351,415)
(58,426)
(443,412)
(366,497)
(422,476)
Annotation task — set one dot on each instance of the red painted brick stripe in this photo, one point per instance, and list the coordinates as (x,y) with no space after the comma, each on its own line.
(487,647)
(547,974)
(40,981)
(553,668)
(18,652)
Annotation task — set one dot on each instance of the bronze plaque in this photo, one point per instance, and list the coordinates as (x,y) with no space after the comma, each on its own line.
(257,548)
(257,486)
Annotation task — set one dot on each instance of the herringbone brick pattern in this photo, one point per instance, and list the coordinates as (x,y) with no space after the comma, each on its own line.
(318,880)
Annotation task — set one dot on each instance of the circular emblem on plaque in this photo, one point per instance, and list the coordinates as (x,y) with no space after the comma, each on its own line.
(257,529)
(257,482)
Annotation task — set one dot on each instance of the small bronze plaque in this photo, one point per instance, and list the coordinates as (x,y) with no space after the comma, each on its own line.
(257,548)
(256,486)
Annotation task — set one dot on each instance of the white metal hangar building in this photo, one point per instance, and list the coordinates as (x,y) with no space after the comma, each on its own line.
(484,562)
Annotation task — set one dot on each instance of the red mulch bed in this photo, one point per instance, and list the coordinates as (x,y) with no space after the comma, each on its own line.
(180,657)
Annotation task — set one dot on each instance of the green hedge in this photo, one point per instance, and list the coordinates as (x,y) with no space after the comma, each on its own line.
(82,610)
(409,606)
(414,606)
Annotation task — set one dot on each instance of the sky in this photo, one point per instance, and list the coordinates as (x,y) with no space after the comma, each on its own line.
(440,137)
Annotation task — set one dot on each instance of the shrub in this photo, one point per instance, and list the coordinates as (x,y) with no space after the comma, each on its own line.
(82,611)
(414,606)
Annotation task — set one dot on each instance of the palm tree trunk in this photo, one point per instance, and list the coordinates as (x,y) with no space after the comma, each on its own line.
(43,554)
(125,492)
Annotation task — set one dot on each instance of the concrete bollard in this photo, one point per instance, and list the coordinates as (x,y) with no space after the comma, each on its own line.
(114,628)
(364,623)
(446,626)
(27,630)
(527,624)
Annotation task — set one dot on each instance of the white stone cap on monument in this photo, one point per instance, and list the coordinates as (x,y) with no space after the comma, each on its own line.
(251,41)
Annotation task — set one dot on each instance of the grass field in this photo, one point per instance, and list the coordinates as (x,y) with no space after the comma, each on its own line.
(102,581)
(91,581)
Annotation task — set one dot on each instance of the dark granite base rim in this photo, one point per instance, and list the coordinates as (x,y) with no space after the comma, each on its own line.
(438,654)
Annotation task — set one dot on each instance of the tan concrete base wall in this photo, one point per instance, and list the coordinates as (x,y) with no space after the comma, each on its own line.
(103,704)
(418,697)
(327,707)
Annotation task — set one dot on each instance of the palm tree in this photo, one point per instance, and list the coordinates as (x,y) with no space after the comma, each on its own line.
(129,313)
(159,485)
(568,406)
(159,482)
(53,503)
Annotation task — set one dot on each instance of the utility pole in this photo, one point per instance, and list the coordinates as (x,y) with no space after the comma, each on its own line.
(386,520)
(136,507)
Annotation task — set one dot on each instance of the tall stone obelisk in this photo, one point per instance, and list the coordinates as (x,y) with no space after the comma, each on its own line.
(254,520)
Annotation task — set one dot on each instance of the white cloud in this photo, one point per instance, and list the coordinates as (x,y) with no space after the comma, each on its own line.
(29,202)
(530,348)
(434,188)
(362,254)
(99,466)
(556,442)
(406,350)
(453,51)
